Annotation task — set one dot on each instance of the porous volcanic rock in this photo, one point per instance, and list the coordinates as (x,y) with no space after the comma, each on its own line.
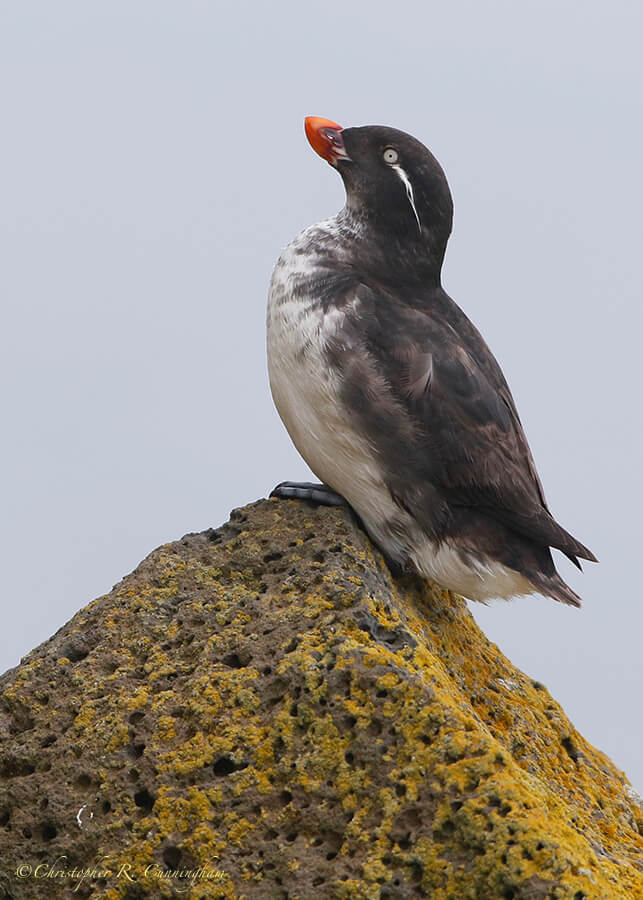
(263,711)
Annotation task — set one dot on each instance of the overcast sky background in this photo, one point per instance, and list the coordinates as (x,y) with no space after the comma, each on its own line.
(153,164)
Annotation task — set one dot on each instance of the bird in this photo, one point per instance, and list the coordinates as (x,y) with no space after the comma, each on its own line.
(390,393)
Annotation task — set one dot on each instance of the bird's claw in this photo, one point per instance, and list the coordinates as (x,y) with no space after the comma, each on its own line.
(320,494)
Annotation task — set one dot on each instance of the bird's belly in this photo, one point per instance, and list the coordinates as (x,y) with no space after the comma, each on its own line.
(307,394)
(471,575)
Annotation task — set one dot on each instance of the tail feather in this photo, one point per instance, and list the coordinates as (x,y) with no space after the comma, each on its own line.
(554,586)
(544,529)
(573,559)
(571,547)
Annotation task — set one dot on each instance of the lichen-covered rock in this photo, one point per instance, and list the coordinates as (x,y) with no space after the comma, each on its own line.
(262,711)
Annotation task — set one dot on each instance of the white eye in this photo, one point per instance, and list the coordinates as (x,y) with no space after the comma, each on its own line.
(390,156)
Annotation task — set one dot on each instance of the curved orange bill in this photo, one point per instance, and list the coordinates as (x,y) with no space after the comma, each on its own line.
(325,138)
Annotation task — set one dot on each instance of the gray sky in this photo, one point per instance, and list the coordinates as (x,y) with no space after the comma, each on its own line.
(154,164)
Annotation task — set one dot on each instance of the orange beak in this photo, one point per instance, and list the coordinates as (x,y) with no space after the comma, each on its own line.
(325,138)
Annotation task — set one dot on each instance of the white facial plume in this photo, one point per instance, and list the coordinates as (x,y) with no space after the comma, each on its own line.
(406,181)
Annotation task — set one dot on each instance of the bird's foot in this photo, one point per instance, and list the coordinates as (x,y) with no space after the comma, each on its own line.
(307,490)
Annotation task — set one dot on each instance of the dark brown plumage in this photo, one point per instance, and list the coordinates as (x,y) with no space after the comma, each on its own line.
(417,382)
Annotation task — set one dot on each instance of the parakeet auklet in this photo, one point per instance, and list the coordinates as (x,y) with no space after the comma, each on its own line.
(390,393)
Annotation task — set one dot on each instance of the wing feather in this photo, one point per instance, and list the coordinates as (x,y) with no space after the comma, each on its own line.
(468,441)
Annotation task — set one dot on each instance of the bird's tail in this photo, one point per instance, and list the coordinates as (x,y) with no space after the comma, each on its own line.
(572,548)
(544,529)
(554,586)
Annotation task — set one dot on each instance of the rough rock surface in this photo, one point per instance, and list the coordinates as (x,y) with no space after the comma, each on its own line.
(266,702)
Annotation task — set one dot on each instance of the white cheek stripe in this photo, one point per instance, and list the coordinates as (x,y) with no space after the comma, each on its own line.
(404,178)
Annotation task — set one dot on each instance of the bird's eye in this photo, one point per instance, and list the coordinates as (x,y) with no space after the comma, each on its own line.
(390,156)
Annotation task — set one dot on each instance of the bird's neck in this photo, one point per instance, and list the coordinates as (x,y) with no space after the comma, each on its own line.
(393,252)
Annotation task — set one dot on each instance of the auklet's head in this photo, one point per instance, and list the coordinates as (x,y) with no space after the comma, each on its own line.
(393,183)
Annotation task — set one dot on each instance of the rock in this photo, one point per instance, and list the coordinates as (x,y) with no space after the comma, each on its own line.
(262,711)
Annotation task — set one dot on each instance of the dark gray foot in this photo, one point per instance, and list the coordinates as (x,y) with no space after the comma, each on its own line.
(307,490)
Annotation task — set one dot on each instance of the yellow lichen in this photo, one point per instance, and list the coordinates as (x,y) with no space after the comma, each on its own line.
(278,713)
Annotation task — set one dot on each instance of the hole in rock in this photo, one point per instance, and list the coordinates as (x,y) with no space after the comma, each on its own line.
(144,799)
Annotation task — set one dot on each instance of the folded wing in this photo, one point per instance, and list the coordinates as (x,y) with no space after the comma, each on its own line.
(446,391)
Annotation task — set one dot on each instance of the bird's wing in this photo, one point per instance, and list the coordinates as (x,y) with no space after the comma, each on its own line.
(423,378)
